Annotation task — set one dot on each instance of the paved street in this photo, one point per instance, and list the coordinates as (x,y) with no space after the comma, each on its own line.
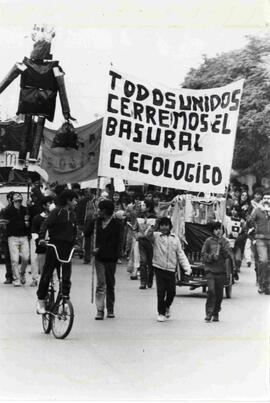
(133,357)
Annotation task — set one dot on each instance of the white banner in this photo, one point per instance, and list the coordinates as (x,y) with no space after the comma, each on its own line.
(176,138)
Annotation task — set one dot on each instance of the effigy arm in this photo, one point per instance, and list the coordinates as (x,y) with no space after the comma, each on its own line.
(16,70)
(59,75)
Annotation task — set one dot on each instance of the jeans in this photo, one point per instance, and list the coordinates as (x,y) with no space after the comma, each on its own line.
(146,256)
(41,257)
(248,250)
(9,275)
(105,272)
(166,289)
(237,257)
(215,286)
(263,251)
(51,263)
(18,245)
(34,259)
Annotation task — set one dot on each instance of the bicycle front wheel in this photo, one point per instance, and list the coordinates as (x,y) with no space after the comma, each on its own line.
(62,320)
(47,318)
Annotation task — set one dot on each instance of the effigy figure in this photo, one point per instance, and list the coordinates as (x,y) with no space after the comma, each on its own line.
(41,79)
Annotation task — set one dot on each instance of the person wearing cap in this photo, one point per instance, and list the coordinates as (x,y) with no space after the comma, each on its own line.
(167,254)
(106,255)
(18,233)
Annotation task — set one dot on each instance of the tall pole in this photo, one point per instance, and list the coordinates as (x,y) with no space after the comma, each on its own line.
(94,245)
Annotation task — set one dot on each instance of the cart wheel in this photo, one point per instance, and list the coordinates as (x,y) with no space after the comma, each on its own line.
(228,291)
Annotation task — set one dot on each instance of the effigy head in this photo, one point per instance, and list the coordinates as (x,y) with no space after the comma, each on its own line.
(42,36)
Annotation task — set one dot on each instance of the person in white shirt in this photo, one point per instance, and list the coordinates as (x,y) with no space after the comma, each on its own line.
(167,253)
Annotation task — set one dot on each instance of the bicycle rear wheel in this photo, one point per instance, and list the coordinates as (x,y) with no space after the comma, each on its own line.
(47,318)
(62,320)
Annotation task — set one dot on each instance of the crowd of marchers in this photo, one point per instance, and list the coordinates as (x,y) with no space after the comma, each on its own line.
(108,227)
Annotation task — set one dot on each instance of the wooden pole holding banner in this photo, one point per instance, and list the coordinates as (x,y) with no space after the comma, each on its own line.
(94,245)
(27,216)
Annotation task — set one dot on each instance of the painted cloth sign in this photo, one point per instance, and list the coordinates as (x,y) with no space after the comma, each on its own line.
(68,165)
(177,138)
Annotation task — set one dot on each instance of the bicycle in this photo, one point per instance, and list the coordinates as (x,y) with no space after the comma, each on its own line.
(59,314)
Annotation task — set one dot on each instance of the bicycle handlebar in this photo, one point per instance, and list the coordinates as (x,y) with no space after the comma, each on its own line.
(57,256)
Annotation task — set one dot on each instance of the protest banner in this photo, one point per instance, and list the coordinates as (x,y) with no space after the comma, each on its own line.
(177,138)
(68,165)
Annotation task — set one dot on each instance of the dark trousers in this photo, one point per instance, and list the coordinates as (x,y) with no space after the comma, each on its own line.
(9,275)
(146,256)
(51,263)
(215,286)
(166,289)
(105,285)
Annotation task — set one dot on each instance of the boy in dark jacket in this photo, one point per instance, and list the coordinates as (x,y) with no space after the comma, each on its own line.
(106,254)
(215,251)
(61,225)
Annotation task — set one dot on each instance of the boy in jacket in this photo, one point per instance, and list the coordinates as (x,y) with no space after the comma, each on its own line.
(106,252)
(167,253)
(62,228)
(215,251)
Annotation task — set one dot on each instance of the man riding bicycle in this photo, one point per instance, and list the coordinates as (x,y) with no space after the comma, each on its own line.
(61,225)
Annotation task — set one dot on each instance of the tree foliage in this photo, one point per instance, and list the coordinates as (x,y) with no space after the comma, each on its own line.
(252,146)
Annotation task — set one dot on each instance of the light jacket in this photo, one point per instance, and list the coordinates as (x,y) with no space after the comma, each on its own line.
(167,252)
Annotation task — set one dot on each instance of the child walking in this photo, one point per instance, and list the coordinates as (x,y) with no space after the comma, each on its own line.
(215,251)
(167,253)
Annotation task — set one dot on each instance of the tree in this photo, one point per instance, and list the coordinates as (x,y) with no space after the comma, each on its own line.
(252,146)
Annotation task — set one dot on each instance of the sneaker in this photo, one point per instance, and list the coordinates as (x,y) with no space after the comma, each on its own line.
(150,284)
(110,314)
(99,315)
(142,287)
(33,283)
(161,318)
(134,277)
(41,307)
(7,281)
(261,290)
(22,279)
(17,283)
(208,318)
(167,313)
(215,318)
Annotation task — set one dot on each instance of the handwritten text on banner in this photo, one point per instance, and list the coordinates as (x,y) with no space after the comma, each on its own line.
(177,138)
